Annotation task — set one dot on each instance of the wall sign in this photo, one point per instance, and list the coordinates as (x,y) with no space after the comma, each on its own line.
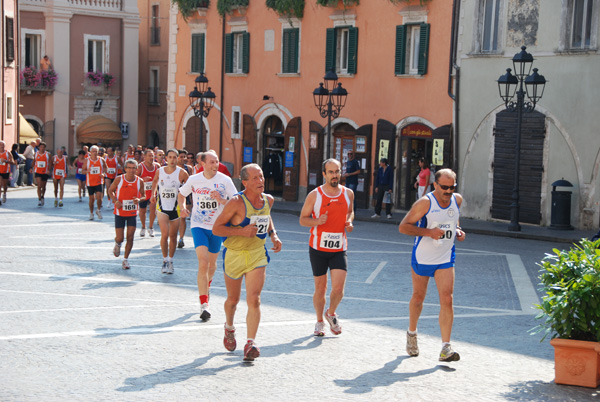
(384,146)
(289,159)
(247,154)
(416,130)
(438,152)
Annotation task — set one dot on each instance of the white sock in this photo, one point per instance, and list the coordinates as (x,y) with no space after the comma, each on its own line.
(229,328)
(412,332)
(250,340)
(444,344)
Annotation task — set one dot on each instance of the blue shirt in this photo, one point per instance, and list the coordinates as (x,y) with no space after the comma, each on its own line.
(351,167)
(385,177)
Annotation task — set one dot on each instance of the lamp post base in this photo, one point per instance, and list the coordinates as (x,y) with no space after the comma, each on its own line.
(514,227)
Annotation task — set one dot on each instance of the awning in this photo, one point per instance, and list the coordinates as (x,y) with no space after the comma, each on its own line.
(97,128)
(26,132)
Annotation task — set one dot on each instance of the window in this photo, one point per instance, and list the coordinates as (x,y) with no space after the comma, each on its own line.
(9,109)
(289,51)
(33,50)
(198,53)
(153,90)
(412,49)
(10,40)
(154,28)
(95,56)
(237,53)
(491,16)
(341,48)
(236,122)
(581,13)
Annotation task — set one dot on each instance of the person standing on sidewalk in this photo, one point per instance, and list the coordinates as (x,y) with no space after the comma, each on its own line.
(210,190)
(147,170)
(59,173)
(246,222)
(6,161)
(329,214)
(383,184)
(42,169)
(14,168)
(434,220)
(126,192)
(352,172)
(29,155)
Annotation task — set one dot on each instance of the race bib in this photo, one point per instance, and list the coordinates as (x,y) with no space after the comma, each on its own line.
(79,170)
(207,203)
(95,170)
(262,223)
(332,241)
(2,162)
(448,228)
(41,164)
(59,172)
(147,185)
(111,170)
(168,193)
(128,205)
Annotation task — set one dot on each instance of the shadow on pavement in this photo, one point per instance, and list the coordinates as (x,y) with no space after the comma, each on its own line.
(549,391)
(141,329)
(384,377)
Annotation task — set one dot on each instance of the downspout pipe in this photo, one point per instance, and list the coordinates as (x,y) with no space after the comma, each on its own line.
(454,95)
(222,87)
(3,87)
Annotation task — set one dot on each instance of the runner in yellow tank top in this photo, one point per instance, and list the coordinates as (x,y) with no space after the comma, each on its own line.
(246,222)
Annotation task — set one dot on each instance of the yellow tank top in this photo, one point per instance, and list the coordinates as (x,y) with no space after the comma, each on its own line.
(261,217)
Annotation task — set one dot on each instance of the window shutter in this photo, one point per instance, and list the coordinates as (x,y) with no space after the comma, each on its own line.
(201,53)
(10,40)
(423,48)
(352,49)
(330,50)
(400,59)
(246,52)
(198,53)
(290,50)
(229,53)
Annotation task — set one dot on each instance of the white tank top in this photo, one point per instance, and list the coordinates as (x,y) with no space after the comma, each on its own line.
(428,251)
(168,188)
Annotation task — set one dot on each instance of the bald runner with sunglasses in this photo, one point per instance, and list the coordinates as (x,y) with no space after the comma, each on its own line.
(434,220)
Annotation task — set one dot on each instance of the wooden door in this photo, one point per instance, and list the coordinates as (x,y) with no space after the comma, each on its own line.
(315,156)
(362,194)
(293,147)
(193,138)
(386,148)
(249,151)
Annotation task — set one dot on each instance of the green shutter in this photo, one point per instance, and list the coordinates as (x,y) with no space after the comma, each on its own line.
(330,49)
(229,53)
(246,52)
(352,49)
(289,57)
(198,53)
(400,59)
(423,48)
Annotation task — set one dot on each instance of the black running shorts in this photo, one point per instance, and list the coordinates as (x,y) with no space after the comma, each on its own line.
(322,260)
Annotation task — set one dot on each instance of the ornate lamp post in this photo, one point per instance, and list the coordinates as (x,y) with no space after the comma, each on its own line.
(330,100)
(534,89)
(202,99)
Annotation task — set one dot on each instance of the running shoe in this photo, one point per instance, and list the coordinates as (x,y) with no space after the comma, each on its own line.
(117,249)
(40,203)
(412,348)
(449,355)
(55,203)
(151,232)
(204,313)
(389,216)
(99,213)
(143,232)
(180,244)
(109,205)
(4,199)
(43,201)
(320,328)
(92,216)
(126,264)
(80,200)
(251,351)
(60,204)
(375,216)
(229,339)
(170,267)
(165,267)
(334,323)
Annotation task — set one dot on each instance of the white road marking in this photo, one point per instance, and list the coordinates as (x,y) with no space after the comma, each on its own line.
(52,310)
(525,290)
(155,330)
(374,274)
(86,296)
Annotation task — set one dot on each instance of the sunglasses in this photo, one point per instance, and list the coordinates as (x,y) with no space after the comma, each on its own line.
(446,188)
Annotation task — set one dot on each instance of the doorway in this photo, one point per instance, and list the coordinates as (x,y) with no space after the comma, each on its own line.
(412,149)
(273,155)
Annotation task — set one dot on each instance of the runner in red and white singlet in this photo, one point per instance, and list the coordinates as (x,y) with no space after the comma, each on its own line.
(146,170)
(59,173)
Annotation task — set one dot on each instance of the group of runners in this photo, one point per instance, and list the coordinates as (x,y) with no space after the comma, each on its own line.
(241,222)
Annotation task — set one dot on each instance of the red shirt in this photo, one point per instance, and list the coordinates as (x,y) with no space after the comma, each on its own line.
(331,236)
(222,168)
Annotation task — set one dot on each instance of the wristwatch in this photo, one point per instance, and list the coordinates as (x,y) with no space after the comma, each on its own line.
(271,232)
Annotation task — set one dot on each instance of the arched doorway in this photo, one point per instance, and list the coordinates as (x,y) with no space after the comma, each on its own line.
(153,140)
(273,142)
(194,141)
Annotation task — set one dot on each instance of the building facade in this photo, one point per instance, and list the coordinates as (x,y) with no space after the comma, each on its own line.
(80,60)
(391,57)
(560,138)
(154,53)
(9,84)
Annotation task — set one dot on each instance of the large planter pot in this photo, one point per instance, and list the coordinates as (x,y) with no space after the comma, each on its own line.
(576,362)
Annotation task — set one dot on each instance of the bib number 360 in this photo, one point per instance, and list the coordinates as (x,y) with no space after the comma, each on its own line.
(261,222)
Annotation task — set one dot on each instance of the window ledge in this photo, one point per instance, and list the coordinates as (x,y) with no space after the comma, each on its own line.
(287,75)
(576,51)
(237,74)
(415,76)
(345,75)
(486,54)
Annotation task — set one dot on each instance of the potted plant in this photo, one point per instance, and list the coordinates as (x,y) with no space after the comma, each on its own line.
(570,312)
(287,8)
(227,6)
(188,7)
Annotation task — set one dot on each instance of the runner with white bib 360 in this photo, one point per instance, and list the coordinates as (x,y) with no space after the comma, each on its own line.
(165,188)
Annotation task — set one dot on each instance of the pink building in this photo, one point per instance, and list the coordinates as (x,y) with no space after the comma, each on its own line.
(91,70)
(9,83)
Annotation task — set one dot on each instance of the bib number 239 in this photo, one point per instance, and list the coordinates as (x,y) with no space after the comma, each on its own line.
(331,241)
(261,222)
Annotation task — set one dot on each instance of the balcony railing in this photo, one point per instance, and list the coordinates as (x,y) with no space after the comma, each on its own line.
(155,35)
(33,79)
(112,5)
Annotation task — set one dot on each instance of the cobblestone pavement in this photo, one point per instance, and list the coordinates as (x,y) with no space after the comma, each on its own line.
(75,326)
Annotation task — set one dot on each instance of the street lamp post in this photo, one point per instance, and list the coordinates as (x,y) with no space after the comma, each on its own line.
(202,99)
(534,89)
(330,100)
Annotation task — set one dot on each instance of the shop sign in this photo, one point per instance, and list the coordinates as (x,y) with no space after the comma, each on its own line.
(417,130)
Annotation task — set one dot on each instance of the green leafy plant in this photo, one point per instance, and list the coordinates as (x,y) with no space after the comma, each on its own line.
(227,6)
(287,8)
(570,308)
(346,3)
(188,7)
